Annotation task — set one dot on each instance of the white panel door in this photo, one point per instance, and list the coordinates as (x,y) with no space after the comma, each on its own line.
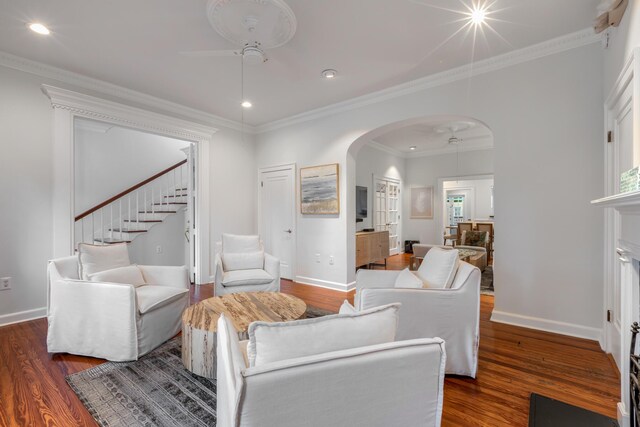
(387,215)
(277,213)
(621,124)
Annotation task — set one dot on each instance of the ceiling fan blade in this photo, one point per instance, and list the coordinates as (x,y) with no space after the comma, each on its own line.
(283,69)
(210,53)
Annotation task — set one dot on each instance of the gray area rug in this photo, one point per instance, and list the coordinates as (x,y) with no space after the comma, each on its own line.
(486,282)
(155,390)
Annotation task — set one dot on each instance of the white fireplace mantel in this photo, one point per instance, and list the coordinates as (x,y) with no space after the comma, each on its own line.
(625,203)
(621,234)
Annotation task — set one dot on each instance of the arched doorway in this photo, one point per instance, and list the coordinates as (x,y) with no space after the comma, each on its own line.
(424,153)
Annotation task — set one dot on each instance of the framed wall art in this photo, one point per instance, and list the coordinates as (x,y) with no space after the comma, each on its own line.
(320,190)
(422,202)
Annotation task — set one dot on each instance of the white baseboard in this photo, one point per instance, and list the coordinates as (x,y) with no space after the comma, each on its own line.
(344,287)
(23,316)
(561,328)
(623,416)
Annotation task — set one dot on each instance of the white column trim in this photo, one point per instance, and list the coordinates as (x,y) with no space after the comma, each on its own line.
(68,106)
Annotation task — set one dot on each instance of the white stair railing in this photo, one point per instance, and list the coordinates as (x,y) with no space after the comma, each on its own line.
(134,216)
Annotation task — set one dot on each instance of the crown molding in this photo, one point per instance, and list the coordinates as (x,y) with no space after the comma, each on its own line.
(116,113)
(546,48)
(80,81)
(428,153)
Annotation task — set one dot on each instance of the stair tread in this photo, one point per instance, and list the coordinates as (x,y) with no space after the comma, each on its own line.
(117,230)
(149,212)
(171,203)
(142,220)
(110,240)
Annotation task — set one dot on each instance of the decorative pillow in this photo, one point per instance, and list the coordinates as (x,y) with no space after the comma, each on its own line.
(439,267)
(93,258)
(130,274)
(234,243)
(271,342)
(474,238)
(347,308)
(407,279)
(243,261)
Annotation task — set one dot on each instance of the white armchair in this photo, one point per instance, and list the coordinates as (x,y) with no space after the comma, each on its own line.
(110,320)
(380,385)
(243,266)
(452,314)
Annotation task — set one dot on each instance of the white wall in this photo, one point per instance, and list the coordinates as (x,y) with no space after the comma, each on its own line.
(372,161)
(107,163)
(425,171)
(26,177)
(546,119)
(234,178)
(25,182)
(168,236)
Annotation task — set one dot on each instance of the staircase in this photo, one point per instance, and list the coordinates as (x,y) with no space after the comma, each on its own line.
(135,211)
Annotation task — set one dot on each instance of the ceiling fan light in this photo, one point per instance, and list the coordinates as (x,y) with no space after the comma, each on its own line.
(246,104)
(412,148)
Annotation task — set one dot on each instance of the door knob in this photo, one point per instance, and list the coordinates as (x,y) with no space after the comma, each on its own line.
(288,231)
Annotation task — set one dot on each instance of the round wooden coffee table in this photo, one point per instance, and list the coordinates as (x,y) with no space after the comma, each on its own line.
(200,321)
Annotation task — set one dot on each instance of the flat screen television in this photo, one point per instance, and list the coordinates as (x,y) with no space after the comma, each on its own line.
(361,202)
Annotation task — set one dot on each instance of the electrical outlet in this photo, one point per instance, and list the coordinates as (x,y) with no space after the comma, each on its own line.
(158,249)
(5,283)
(318,258)
(330,259)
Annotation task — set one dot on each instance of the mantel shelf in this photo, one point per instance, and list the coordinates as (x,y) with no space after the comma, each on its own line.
(624,202)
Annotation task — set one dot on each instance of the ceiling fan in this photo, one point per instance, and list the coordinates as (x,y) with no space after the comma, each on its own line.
(453,139)
(253,25)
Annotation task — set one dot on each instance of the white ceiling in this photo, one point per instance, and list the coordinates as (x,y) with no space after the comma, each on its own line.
(431,137)
(373,44)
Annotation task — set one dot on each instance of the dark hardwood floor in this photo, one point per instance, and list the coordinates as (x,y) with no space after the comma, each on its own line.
(514,362)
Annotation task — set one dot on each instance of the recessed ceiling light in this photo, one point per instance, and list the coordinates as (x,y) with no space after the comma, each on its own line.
(39,28)
(478,15)
(413,147)
(329,74)
(246,104)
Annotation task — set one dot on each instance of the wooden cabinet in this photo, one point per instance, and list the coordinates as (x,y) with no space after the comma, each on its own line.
(371,247)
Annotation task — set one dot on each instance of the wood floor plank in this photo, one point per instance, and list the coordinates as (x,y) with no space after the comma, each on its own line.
(513,363)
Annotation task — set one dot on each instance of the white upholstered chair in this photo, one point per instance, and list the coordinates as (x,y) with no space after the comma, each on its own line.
(111,309)
(379,385)
(452,314)
(243,266)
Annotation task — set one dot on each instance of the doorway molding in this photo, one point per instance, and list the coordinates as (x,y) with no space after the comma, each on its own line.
(440,202)
(69,105)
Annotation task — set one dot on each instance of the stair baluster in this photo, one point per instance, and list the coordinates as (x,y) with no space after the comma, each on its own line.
(102,226)
(111,226)
(170,188)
